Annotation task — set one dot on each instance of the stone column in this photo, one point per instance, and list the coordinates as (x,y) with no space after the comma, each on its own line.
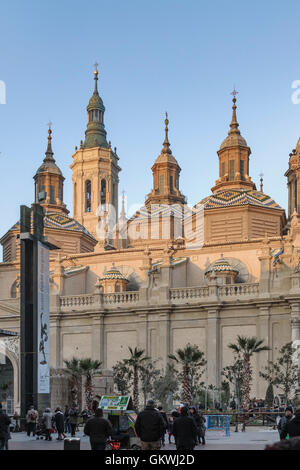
(262,358)
(142,332)
(164,337)
(213,346)
(98,338)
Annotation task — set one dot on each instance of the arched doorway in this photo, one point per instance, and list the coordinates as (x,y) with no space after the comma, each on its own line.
(7,384)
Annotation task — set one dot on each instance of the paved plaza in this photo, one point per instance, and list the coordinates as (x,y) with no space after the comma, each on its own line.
(255,439)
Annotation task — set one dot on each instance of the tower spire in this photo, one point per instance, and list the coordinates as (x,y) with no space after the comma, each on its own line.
(49,151)
(96,78)
(95,134)
(234,124)
(166,143)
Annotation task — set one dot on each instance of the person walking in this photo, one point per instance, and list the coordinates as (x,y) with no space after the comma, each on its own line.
(73,417)
(150,427)
(288,415)
(67,419)
(98,429)
(31,420)
(185,431)
(291,427)
(164,416)
(47,419)
(4,429)
(197,419)
(202,428)
(59,423)
(171,420)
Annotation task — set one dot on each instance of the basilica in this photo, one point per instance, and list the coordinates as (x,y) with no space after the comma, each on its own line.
(168,275)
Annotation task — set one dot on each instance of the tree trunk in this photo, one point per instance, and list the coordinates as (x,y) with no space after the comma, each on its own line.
(186,385)
(135,389)
(246,382)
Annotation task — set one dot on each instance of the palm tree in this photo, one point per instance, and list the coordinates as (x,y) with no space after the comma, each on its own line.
(136,364)
(189,358)
(74,370)
(246,347)
(89,368)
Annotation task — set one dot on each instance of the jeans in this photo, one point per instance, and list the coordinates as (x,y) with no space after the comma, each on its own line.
(31,428)
(73,429)
(98,446)
(3,444)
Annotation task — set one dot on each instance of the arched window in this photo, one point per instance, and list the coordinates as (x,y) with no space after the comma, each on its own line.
(13,290)
(103,194)
(88,196)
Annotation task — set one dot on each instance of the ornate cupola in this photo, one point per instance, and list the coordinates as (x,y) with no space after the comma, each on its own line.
(95,134)
(293,177)
(165,176)
(234,158)
(49,182)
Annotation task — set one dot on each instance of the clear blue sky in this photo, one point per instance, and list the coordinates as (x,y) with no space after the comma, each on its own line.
(183,56)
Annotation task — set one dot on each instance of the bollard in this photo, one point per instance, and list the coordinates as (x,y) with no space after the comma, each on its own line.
(72,443)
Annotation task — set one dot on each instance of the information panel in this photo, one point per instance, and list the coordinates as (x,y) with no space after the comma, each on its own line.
(43,319)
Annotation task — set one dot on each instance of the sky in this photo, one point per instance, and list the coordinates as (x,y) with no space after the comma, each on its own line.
(179,56)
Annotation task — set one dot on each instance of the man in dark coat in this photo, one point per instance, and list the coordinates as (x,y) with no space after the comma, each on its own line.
(288,415)
(164,415)
(292,427)
(60,424)
(99,429)
(185,431)
(150,427)
(4,431)
(73,416)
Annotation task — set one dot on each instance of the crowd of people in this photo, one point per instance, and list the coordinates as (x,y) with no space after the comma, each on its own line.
(185,425)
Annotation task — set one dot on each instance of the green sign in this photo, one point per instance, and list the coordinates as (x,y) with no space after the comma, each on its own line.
(114,402)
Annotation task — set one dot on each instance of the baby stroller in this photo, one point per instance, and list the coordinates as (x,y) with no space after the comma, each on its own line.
(41,432)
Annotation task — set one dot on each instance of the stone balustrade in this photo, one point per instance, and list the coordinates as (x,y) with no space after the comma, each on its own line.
(238,290)
(179,295)
(76,302)
(120,298)
(188,293)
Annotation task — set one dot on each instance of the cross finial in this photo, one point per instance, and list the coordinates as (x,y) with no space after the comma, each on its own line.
(234,92)
(261,182)
(96,66)
(50,124)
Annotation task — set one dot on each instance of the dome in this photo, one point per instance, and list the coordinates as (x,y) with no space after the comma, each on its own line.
(59,221)
(49,166)
(113,273)
(221,265)
(95,102)
(238,197)
(233,140)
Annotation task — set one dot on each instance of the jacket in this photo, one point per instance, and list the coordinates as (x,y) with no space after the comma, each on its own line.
(291,427)
(149,425)
(282,423)
(32,416)
(99,429)
(47,417)
(4,423)
(59,421)
(185,432)
(73,415)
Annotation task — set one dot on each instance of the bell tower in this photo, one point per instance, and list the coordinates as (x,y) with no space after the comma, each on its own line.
(166,173)
(95,170)
(49,182)
(293,181)
(234,158)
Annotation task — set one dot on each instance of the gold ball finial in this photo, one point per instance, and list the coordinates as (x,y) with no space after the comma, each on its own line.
(166,120)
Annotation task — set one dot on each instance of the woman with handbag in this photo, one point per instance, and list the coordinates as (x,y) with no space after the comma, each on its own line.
(47,419)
